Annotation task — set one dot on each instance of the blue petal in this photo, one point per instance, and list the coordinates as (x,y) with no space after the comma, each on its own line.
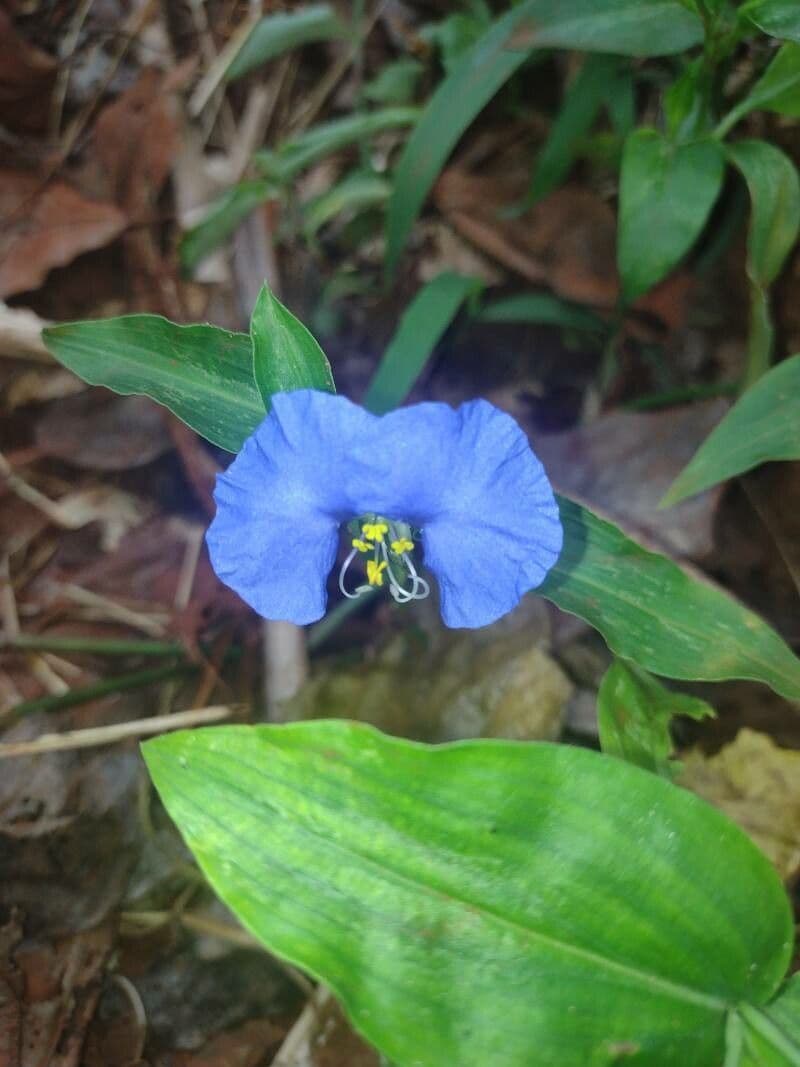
(498,531)
(279,504)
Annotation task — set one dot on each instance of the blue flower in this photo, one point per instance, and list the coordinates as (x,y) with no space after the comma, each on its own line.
(462,481)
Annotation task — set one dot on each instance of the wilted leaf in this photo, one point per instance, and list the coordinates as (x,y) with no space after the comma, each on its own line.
(47,225)
(757,784)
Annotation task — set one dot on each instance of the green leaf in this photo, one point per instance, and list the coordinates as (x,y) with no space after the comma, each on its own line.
(779,18)
(541,308)
(666,194)
(489,903)
(201,373)
(582,101)
(631,27)
(764,425)
(396,83)
(774,188)
(421,326)
(222,218)
(356,191)
(634,712)
(286,355)
(652,612)
(778,89)
(772,1033)
(455,34)
(283,164)
(275,34)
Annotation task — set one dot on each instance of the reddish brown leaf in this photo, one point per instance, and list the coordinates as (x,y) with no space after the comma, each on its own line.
(46,226)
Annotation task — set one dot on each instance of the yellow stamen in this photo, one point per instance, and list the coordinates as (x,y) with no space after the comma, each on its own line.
(401,546)
(362,546)
(374,531)
(375,572)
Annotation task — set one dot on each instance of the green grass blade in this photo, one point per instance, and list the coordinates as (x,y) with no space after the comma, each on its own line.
(764,425)
(421,326)
(276,34)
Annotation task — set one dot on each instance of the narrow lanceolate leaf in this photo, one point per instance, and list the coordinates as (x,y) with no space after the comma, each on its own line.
(422,325)
(634,713)
(286,355)
(666,193)
(775,198)
(276,34)
(485,904)
(284,163)
(652,612)
(779,18)
(222,218)
(778,88)
(542,308)
(582,101)
(203,374)
(764,425)
(630,27)
(774,187)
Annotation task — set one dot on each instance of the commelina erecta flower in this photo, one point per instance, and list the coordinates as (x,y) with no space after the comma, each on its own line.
(461,482)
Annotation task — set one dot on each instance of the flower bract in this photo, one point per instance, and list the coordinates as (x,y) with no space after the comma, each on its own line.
(464,482)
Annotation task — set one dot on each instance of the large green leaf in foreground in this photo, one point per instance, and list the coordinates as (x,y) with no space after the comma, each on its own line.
(651,611)
(203,374)
(485,904)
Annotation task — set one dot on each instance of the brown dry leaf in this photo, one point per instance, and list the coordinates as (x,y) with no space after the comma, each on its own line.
(135,142)
(566,241)
(98,431)
(47,226)
(757,784)
(27,75)
(69,831)
(40,385)
(624,462)
(62,982)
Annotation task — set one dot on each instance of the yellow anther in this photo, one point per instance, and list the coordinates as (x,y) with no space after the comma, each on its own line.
(362,546)
(374,531)
(375,572)
(401,546)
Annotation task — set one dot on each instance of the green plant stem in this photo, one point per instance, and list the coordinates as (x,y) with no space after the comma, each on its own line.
(682,396)
(325,629)
(118,684)
(95,646)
